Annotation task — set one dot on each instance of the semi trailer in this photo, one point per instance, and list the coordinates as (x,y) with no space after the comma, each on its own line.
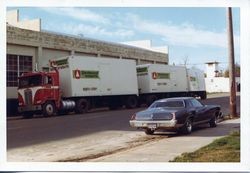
(156,81)
(80,83)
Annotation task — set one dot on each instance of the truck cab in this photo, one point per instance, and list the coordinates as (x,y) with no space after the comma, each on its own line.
(38,92)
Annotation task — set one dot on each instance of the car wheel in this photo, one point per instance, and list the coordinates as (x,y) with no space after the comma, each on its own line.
(149,131)
(188,127)
(213,121)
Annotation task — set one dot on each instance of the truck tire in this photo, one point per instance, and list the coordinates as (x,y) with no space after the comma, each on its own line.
(131,102)
(203,96)
(150,99)
(187,128)
(49,109)
(82,106)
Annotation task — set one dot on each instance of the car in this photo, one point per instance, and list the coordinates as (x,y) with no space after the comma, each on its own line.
(178,114)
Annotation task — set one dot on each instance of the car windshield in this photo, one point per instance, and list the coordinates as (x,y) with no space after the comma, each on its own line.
(170,104)
(30,81)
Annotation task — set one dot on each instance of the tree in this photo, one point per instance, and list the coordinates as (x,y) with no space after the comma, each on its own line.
(237,71)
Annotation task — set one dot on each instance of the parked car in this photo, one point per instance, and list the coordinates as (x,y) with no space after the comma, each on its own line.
(179,114)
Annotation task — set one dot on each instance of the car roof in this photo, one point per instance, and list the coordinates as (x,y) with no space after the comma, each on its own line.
(174,98)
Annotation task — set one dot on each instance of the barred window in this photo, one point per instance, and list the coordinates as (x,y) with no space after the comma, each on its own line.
(16,65)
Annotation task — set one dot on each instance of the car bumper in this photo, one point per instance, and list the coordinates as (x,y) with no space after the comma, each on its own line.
(170,124)
(29,108)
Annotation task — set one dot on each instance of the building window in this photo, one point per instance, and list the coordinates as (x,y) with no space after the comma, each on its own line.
(16,65)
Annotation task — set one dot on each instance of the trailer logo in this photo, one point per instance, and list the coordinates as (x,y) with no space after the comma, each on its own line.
(192,78)
(142,71)
(77,74)
(154,75)
(85,74)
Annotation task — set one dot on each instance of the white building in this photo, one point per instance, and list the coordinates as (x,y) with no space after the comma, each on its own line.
(214,83)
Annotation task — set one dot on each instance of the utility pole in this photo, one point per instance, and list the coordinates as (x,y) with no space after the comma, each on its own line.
(233,112)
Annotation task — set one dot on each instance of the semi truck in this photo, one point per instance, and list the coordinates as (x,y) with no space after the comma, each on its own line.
(79,83)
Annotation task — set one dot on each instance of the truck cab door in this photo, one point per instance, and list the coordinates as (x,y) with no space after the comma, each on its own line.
(49,89)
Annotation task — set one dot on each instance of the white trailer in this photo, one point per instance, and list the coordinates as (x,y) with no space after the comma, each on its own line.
(88,76)
(157,81)
(98,81)
(196,80)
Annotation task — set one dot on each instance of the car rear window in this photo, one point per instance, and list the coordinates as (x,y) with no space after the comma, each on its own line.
(171,104)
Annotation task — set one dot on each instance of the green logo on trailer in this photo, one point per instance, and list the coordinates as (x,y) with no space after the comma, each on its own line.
(85,74)
(156,75)
(192,78)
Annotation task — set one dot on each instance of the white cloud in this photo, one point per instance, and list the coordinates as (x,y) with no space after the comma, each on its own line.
(127,25)
(78,13)
(185,34)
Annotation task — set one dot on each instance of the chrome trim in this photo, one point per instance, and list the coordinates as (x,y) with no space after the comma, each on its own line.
(160,124)
(29,108)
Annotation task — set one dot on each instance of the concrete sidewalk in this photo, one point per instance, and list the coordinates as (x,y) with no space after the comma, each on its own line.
(168,148)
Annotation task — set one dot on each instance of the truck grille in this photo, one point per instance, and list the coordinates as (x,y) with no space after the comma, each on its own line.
(28,97)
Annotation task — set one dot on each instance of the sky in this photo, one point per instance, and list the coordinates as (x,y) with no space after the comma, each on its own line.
(196,35)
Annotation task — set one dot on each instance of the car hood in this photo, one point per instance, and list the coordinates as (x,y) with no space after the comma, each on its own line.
(157,114)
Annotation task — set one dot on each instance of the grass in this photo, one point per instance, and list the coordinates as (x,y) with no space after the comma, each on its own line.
(226,149)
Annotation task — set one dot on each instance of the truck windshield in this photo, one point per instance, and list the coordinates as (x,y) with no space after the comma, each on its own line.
(30,81)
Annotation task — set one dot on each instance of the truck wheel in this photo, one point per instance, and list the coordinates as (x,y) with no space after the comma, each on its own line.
(49,109)
(213,122)
(150,99)
(131,102)
(82,106)
(149,131)
(203,96)
(28,115)
(187,128)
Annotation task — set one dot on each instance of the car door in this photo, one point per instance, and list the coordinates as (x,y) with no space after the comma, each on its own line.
(200,115)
